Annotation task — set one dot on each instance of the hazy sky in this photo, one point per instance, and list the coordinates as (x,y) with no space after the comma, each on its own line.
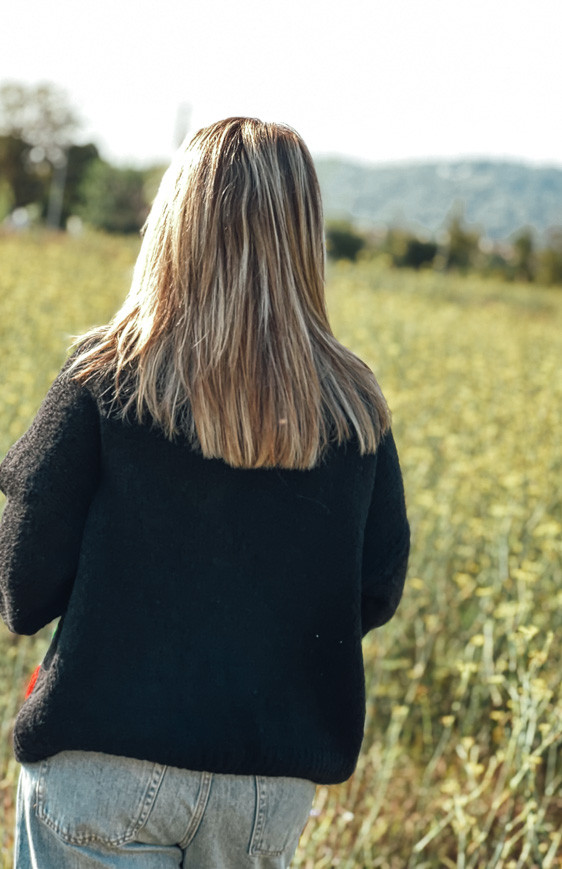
(374,79)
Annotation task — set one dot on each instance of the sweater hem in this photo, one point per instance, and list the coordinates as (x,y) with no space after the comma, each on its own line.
(324,770)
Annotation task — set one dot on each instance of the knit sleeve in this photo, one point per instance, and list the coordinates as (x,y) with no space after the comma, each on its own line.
(387,541)
(48,476)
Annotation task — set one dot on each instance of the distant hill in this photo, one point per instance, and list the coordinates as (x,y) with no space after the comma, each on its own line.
(499,197)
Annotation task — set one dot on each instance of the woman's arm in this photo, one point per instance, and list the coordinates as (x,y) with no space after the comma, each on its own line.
(49,477)
(387,541)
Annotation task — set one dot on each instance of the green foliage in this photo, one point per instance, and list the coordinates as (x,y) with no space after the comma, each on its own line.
(524,255)
(26,181)
(39,164)
(463,250)
(6,198)
(419,253)
(461,247)
(113,198)
(343,241)
(550,260)
(79,159)
(409,251)
(152,178)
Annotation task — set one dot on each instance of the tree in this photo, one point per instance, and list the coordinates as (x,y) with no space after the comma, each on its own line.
(550,259)
(40,116)
(524,255)
(343,241)
(113,198)
(79,158)
(37,128)
(409,251)
(25,181)
(461,247)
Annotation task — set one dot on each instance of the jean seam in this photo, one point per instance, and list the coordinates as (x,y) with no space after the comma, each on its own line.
(261,802)
(83,839)
(200,806)
(149,799)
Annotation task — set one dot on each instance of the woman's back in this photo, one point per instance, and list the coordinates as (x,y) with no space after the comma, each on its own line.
(212,616)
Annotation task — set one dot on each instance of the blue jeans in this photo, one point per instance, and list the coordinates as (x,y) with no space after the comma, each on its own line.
(86,810)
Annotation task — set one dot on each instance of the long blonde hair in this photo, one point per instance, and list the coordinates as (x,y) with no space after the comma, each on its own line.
(224,335)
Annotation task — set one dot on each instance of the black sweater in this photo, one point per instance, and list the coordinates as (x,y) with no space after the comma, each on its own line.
(211,617)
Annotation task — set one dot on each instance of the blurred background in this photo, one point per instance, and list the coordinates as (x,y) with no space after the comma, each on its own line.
(435,126)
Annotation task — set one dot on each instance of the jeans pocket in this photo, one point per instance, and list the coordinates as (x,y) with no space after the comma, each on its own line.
(91,797)
(282,809)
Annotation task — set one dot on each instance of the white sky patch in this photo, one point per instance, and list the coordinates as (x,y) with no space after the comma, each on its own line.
(378,80)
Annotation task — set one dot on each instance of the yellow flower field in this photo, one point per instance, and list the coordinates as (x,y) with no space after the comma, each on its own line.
(462,759)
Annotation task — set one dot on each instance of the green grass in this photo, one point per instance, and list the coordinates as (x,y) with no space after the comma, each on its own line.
(461,761)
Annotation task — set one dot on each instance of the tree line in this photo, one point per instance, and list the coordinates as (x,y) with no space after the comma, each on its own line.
(458,247)
(46,177)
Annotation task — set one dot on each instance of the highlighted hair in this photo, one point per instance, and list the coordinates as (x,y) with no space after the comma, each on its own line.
(224,335)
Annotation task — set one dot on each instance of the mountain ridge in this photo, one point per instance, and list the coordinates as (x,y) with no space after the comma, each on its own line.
(500,197)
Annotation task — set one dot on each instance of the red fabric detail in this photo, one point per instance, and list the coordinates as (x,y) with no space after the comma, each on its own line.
(32,681)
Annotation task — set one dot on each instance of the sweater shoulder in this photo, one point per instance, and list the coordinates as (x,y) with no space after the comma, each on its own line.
(66,423)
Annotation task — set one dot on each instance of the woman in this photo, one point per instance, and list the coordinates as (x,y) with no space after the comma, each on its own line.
(210,500)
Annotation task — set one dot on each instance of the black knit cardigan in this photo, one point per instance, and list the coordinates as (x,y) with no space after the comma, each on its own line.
(210,617)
